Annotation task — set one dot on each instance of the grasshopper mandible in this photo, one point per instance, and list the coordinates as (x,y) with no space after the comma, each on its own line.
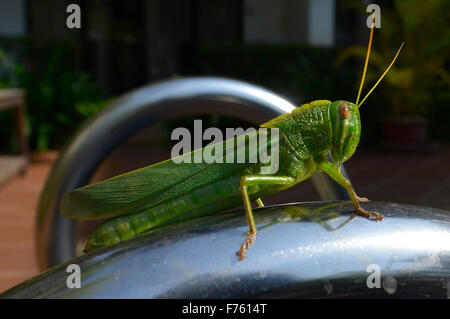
(169,192)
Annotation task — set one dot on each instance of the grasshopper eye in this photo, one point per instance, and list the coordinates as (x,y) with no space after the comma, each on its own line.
(344,110)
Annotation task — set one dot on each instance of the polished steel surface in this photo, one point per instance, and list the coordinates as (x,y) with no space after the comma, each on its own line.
(56,235)
(311,249)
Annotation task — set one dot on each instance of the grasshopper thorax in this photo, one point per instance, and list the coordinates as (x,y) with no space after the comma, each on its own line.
(345,130)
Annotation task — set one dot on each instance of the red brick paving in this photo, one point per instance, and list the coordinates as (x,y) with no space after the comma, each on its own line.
(18,201)
(404,178)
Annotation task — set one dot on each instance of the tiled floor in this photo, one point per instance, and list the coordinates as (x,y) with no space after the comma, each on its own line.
(405,178)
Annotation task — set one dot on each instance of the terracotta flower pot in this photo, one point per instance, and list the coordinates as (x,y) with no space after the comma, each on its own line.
(406,134)
(47,156)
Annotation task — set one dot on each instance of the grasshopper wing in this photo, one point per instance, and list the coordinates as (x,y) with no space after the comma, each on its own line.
(155,184)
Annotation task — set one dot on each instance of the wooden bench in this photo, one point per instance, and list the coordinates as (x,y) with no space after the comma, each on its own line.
(11,165)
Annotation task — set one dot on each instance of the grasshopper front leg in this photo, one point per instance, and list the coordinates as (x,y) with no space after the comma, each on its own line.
(250,180)
(334,172)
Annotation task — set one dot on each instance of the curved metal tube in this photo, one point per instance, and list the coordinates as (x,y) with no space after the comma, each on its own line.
(55,236)
(315,249)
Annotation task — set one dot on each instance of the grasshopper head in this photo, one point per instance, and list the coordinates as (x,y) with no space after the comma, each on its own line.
(346,130)
(344,116)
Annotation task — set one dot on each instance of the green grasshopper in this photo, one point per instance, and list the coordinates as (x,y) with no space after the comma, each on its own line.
(170,192)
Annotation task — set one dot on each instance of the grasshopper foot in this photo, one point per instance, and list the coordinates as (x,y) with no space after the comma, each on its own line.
(248,242)
(373,216)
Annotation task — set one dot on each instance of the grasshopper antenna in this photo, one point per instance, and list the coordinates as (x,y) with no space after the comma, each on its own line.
(379,80)
(366,62)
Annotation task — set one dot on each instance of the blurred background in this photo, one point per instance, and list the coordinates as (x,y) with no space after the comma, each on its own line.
(53,78)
